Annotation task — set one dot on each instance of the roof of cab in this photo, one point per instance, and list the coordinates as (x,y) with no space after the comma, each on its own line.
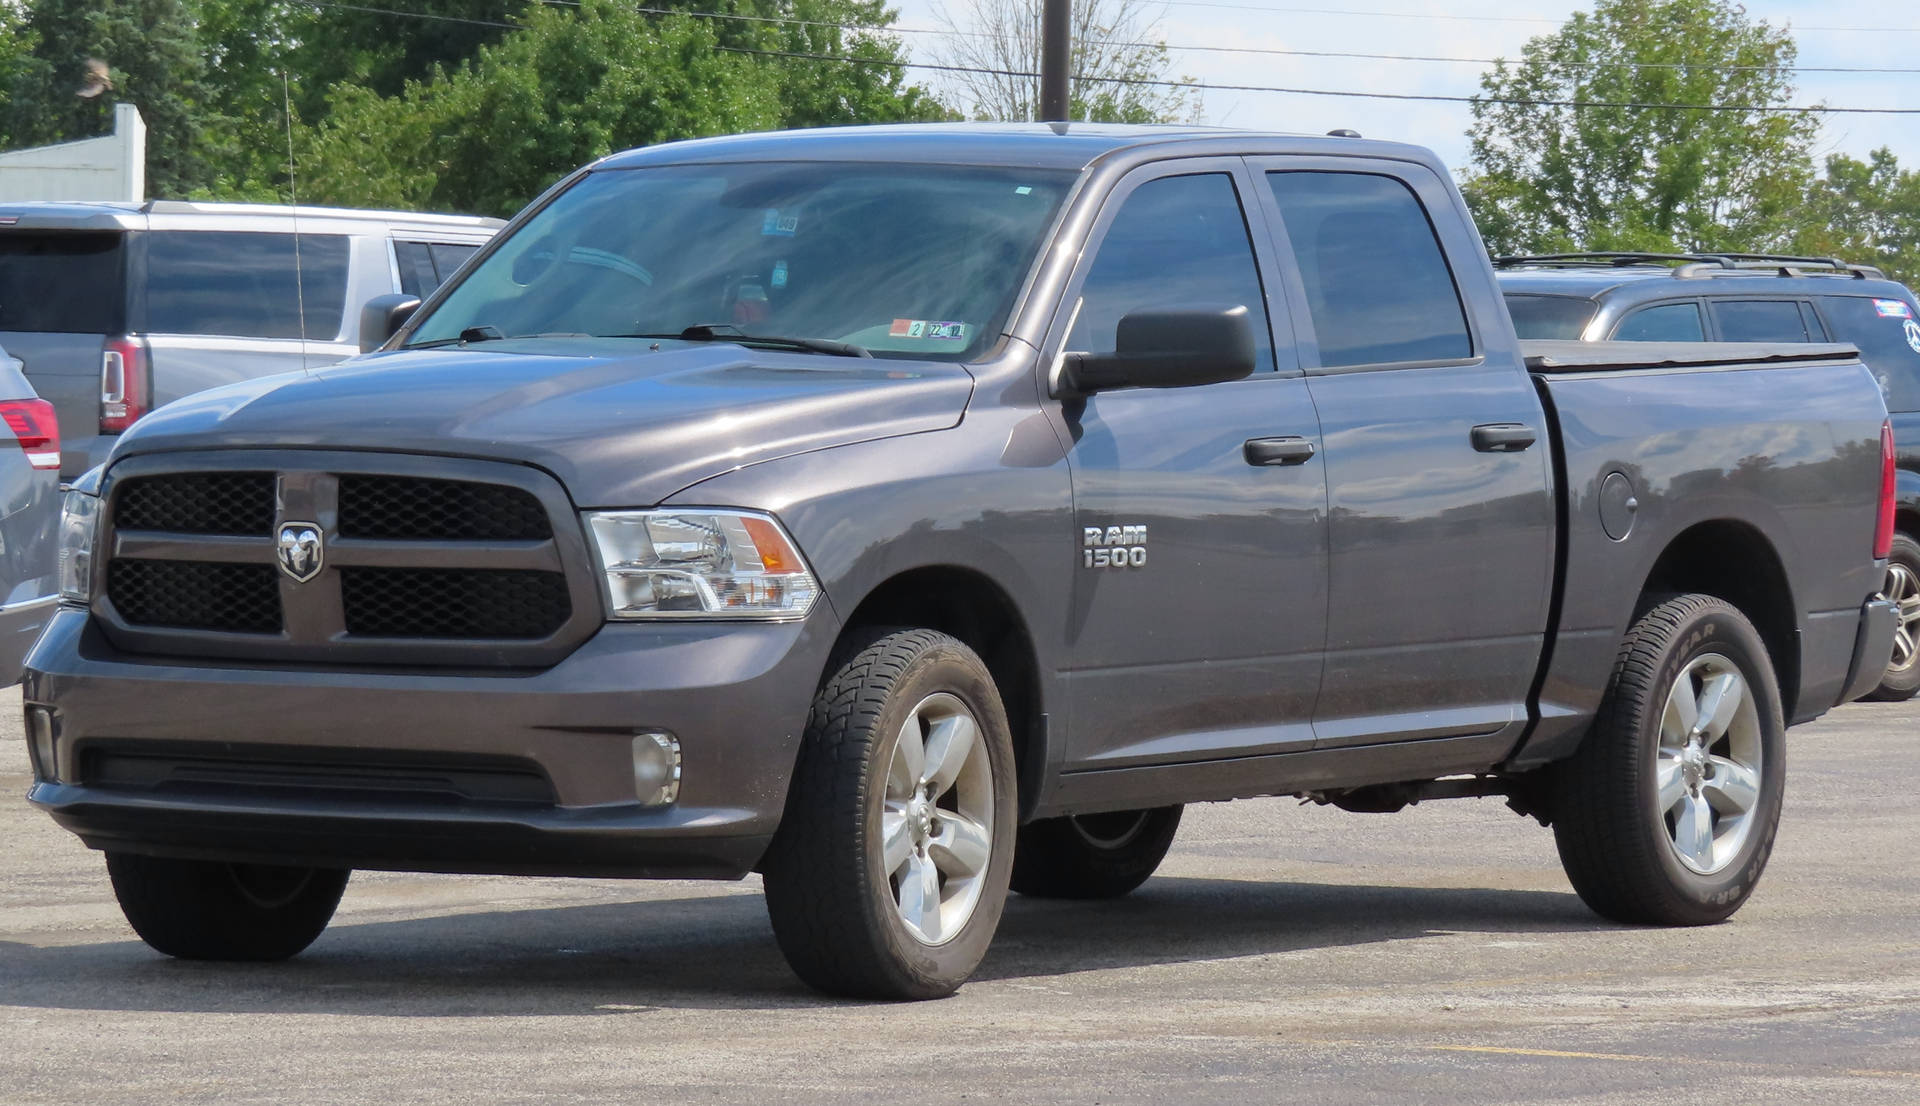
(1032,145)
(1648,282)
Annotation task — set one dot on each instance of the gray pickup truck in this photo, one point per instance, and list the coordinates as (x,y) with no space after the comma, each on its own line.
(913,514)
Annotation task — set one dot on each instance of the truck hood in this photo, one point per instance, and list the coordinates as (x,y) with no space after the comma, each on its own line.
(620,424)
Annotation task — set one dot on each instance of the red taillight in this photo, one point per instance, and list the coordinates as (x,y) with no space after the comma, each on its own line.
(1883,530)
(33,426)
(125,391)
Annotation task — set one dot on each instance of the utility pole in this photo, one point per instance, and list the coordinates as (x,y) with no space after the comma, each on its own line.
(1055,58)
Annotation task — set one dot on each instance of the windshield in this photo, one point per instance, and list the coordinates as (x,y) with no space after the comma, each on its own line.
(918,261)
(1548,316)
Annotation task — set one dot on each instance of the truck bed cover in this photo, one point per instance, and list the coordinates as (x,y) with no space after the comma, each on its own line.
(1585,357)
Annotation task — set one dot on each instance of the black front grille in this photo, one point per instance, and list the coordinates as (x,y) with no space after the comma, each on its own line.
(407,508)
(198,503)
(426,561)
(193,595)
(366,775)
(453,603)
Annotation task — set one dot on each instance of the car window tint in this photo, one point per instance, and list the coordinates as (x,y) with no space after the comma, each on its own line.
(61,282)
(1759,321)
(1887,332)
(417,277)
(1177,241)
(1377,284)
(243,284)
(1537,316)
(448,256)
(1665,322)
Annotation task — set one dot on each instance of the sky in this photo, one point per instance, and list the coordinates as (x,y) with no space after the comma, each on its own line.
(1828,34)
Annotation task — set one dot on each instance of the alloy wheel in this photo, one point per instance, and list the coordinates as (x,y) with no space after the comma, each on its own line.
(1708,772)
(936,821)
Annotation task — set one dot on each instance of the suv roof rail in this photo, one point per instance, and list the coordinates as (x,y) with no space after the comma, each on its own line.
(1608,258)
(1787,265)
(1697,265)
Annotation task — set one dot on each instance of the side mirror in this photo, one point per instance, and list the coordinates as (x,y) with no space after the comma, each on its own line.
(382,318)
(1172,348)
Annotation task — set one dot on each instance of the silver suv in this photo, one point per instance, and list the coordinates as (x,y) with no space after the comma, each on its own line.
(118,308)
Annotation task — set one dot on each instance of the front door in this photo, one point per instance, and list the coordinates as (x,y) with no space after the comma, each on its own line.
(1196,626)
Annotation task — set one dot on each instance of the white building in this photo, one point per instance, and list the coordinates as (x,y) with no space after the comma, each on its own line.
(109,168)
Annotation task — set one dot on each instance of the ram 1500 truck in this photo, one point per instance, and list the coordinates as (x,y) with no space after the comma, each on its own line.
(910,514)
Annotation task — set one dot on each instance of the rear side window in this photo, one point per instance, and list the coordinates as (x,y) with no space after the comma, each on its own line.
(1664,322)
(1888,336)
(1176,240)
(1759,321)
(1376,282)
(1537,316)
(242,284)
(62,283)
(424,266)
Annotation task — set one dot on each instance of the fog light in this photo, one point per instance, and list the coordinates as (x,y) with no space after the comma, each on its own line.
(40,743)
(656,768)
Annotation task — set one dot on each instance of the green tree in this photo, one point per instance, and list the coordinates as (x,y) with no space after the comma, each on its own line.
(575,85)
(152,50)
(1865,211)
(1546,177)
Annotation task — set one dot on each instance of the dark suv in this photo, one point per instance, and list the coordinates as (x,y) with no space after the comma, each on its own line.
(1650,297)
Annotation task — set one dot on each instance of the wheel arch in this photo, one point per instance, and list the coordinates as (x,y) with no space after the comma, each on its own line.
(1733,560)
(972,607)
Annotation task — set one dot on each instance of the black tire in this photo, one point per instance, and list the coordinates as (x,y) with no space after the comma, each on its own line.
(1614,841)
(211,910)
(1901,682)
(833,909)
(1094,856)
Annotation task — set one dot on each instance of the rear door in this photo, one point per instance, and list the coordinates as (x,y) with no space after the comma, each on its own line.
(1196,623)
(1439,481)
(62,294)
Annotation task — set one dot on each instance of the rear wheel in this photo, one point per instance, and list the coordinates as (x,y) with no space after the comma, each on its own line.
(212,910)
(1092,856)
(1667,813)
(1902,679)
(889,871)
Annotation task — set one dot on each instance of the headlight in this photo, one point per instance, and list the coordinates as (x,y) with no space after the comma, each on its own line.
(79,516)
(700,564)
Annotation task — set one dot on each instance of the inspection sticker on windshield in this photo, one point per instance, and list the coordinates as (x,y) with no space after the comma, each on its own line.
(777,225)
(1892,309)
(923,328)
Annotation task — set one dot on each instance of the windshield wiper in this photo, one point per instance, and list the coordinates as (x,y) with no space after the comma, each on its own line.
(489,334)
(728,332)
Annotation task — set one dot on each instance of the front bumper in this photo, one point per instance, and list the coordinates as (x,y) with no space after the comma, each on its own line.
(735,694)
(1872,647)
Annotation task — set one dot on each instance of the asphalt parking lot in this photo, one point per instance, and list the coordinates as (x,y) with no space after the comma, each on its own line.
(1284,953)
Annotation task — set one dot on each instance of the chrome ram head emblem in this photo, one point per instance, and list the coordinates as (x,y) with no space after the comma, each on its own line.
(302,553)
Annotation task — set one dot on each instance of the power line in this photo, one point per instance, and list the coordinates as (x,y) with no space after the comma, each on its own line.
(1205,48)
(1203,86)
(1456,17)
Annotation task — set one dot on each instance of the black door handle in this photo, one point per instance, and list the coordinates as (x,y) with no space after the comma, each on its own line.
(1277,451)
(1503,437)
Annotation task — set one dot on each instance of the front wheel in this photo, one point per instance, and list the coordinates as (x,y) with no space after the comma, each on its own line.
(1092,856)
(1666,815)
(889,871)
(212,910)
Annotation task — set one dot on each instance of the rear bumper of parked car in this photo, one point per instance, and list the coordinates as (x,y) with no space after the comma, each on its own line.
(1872,645)
(527,773)
(20,626)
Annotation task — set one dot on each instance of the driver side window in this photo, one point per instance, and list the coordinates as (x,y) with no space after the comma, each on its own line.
(1177,241)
